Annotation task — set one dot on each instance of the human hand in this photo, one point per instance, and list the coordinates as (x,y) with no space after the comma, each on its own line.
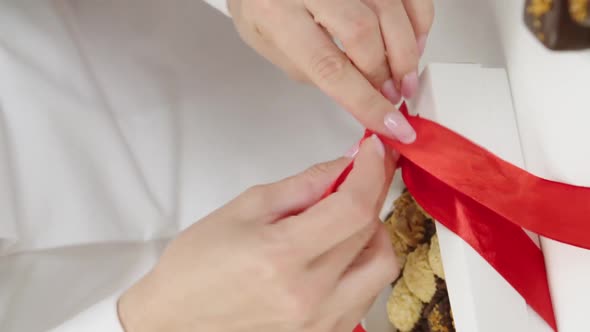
(277,258)
(383,41)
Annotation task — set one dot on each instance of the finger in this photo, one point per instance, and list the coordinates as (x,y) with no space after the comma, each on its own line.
(367,179)
(329,267)
(391,162)
(334,262)
(351,319)
(313,51)
(421,14)
(344,213)
(400,43)
(357,28)
(376,268)
(270,202)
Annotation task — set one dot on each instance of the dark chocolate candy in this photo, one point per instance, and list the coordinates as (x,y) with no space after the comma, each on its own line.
(437,315)
(551,23)
(580,11)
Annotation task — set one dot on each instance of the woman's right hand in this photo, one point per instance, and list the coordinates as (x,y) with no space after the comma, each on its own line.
(277,258)
(382,43)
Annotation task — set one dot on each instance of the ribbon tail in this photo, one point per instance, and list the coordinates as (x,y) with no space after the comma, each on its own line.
(505,246)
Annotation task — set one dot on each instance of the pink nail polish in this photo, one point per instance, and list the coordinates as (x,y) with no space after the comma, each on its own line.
(422,44)
(399,127)
(390,92)
(409,85)
(351,153)
(378,145)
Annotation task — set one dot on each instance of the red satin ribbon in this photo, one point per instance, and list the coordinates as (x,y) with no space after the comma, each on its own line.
(359,328)
(487,202)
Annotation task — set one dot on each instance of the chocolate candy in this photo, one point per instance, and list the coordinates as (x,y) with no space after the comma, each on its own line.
(559,24)
(419,301)
(580,11)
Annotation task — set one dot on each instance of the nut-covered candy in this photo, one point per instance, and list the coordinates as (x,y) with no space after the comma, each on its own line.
(418,274)
(435,259)
(404,309)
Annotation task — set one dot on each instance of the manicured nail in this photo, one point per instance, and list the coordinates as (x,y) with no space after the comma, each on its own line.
(409,85)
(390,92)
(399,127)
(378,145)
(422,43)
(351,153)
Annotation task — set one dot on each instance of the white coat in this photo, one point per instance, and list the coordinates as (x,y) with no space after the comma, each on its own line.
(123,122)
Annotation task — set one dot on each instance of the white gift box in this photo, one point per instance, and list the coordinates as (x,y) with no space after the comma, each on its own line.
(550,94)
(476,102)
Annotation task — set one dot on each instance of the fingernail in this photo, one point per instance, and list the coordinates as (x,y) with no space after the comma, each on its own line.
(422,43)
(410,85)
(399,127)
(390,92)
(378,145)
(351,153)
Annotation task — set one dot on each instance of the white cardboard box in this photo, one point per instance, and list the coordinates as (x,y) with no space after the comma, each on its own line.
(475,102)
(550,93)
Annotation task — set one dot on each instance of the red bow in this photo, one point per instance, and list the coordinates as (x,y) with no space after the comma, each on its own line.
(487,202)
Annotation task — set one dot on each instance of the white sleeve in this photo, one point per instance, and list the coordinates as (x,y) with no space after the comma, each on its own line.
(221,5)
(101,317)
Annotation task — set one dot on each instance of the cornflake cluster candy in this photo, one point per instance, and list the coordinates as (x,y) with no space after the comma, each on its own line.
(419,301)
(579,11)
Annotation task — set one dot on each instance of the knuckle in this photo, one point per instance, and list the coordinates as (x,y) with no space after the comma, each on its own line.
(256,197)
(378,74)
(310,177)
(317,171)
(426,17)
(267,7)
(361,28)
(374,106)
(360,209)
(256,192)
(297,309)
(329,66)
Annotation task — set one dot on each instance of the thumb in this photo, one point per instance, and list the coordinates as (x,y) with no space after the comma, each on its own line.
(299,192)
